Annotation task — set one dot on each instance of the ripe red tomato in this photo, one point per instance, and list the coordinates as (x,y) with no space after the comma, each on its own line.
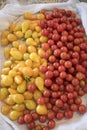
(49,74)
(64,97)
(45,46)
(54,87)
(31,125)
(51,124)
(68,114)
(43,69)
(45,32)
(74,107)
(82,109)
(48,82)
(31,87)
(69,88)
(52,58)
(41,101)
(59,103)
(51,115)
(46,128)
(21,120)
(35,116)
(70,95)
(27,118)
(78,100)
(60,115)
(43,118)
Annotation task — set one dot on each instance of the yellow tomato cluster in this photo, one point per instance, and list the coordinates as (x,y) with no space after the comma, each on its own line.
(21,68)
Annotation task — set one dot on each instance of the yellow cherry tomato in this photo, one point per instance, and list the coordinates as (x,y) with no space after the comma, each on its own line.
(18,27)
(19,34)
(38,28)
(5,71)
(31,49)
(18,98)
(34,57)
(37,40)
(29,63)
(34,35)
(4,34)
(40,16)
(4,42)
(11,37)
(28,33)
(41,109)
(25,26)
(39,83)
(7,52)
(22,48)
(3,93)
(12,73)
(27,15)
(14,115)
(8,63)
(28,95)
(22,87)
(19,107)
(18,79)
(36,64)
(16,44)
(16,55)
(5,109)
(29,41)
(37,95)
(43,62)
(6,80)
(26,56)
(12,27)
(43,39)
(27,71)
(40,52)
(9,101)
(30,104)
(35,72)
(12,91)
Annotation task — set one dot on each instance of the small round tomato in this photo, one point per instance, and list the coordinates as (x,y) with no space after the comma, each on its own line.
(51,124)
(59,103)
(21,120)
(31,87)
(43,118)
(51,115)
(27,118)
(82,109)
(74,107)
(68,114)
(35,116)
(41,100)
(60,115)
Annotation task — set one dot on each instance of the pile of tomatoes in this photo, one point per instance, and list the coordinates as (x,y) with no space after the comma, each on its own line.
(63,74)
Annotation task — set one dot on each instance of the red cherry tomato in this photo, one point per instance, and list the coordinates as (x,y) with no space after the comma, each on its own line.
(82,109)
(27,118)
(68,114)
(60,115)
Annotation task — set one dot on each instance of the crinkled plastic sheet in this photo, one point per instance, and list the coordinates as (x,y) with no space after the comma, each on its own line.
(12,13)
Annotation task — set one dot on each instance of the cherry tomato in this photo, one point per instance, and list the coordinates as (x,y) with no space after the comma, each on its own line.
(60,115)
(51,124)
(27,118)
(21,120)
(59,103)
(51,115)
(68,114)
(82,109)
